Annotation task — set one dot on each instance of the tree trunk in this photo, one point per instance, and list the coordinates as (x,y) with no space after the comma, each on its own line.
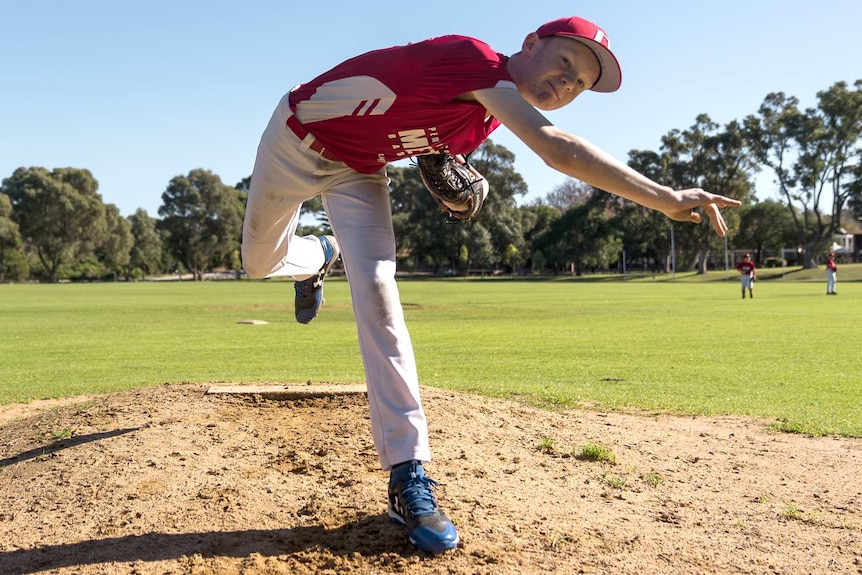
(813,249)
(702,259)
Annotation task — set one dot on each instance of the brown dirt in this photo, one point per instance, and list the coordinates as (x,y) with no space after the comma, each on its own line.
(170,480)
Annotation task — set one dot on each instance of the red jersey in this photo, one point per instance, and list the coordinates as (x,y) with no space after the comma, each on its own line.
(745,268)
(830,263)
(398,102)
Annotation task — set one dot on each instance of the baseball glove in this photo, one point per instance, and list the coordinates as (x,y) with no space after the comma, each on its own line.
(454,184)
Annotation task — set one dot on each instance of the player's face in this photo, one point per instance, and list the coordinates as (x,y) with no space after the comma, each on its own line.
(558,71)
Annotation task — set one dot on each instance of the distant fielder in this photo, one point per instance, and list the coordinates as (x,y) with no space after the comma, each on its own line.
(831,274)
(747,272)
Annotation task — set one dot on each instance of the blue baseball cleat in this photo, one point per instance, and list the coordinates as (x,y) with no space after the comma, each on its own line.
(309,292)
(412,504)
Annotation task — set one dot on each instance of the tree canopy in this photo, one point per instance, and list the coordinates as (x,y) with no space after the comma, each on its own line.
(59,213)
(816,158)
(203,220)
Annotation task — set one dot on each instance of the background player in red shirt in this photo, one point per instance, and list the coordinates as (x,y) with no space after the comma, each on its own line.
(747,273)
(334,135)
(831,274)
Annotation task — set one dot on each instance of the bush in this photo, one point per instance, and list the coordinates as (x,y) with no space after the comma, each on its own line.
(14,266)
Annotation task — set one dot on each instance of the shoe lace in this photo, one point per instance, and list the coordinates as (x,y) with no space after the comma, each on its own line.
(417,494)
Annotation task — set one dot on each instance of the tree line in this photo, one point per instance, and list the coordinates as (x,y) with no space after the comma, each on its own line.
(54,224)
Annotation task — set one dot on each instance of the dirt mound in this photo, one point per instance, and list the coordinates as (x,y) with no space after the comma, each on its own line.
(170,480)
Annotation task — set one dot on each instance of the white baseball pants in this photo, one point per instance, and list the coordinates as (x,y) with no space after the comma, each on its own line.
(286,173)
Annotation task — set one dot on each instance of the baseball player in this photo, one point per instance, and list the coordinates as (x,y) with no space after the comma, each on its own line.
(831,274)
(747,273)
(334,135)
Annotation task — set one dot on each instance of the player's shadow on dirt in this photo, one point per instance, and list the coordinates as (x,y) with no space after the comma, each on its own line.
(370,536)
(47,450)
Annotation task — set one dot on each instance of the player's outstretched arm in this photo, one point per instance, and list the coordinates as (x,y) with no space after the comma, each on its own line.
(580,159)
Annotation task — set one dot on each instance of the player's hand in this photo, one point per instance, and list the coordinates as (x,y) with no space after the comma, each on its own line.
(688,202)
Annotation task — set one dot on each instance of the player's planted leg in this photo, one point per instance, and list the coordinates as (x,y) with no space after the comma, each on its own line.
(412,504)
(309,292)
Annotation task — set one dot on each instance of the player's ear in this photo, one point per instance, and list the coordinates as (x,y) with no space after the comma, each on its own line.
(530,42)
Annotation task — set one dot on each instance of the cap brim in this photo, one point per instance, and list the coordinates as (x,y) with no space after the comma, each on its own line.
(612,76)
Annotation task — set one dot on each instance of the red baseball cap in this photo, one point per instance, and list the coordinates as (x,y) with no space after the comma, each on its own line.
(587,33)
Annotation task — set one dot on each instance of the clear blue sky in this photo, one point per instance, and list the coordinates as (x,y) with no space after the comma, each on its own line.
(140,92)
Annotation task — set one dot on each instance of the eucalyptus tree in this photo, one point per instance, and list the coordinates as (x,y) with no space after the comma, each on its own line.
(146,252)
(12,257)
(716,159)
(765,225)
(424,237)
(417,221)
(645,234)
(536,220)
(584,236)
(203,220)
(114,251)
(854,202)
(815,156)
(60,215)
(707,156)
(500,215)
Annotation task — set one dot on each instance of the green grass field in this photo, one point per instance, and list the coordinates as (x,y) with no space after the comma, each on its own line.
(689,346)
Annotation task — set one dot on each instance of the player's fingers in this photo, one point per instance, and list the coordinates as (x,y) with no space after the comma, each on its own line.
(724,202)
(717,220)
